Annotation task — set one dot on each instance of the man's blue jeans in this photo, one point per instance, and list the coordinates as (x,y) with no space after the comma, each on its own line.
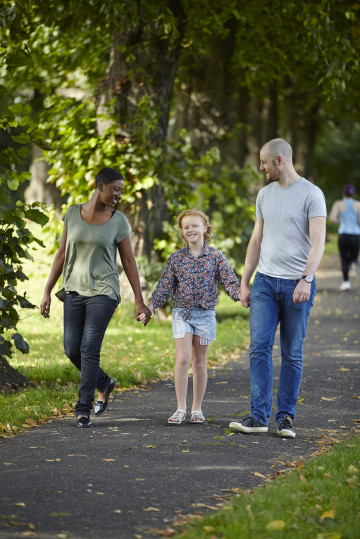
(85,322)
(271,303)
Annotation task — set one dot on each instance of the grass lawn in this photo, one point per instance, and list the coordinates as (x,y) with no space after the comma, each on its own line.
(320,500)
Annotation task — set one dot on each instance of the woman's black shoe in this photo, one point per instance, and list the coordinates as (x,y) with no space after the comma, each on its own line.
(84,422)
(101,406)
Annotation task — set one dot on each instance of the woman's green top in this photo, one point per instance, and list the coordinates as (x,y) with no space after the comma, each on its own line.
(90,256)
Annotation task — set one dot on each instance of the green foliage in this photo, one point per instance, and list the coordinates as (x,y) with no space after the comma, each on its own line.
(338,161)
(15,236)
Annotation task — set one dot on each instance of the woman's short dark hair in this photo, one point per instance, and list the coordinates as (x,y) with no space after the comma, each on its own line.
(108,175)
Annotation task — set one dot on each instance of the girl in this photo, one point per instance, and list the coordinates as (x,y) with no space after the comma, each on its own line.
(191,276)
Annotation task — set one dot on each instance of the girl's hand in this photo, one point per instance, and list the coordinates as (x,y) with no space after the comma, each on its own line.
(142,319)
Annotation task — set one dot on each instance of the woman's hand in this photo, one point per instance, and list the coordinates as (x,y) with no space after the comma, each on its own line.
(45,305)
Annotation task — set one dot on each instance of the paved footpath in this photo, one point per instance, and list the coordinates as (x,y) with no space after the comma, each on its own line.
(132,475)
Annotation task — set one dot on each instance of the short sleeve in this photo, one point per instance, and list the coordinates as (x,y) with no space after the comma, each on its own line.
(317,206)
(123,230)
(258,206)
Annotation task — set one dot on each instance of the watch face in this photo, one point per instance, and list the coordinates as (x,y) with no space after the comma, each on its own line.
(308,279)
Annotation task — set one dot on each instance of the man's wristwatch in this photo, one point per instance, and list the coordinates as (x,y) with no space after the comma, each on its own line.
(308,278)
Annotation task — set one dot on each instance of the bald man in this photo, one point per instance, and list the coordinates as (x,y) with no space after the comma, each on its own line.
(286,247)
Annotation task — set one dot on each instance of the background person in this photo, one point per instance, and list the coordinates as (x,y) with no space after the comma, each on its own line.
(347,213)
(191,277)
(287,245)
(92,234)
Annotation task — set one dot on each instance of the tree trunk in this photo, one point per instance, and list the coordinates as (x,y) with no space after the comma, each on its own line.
(39,190)
(150,76)
(10,378)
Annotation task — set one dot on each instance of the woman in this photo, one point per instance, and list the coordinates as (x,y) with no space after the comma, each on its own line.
(90,285)
(347,213)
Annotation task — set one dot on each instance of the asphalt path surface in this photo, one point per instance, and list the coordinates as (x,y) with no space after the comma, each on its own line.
(133,475)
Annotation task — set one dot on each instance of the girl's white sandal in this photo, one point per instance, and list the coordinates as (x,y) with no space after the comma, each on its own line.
(177,418)
(197,417)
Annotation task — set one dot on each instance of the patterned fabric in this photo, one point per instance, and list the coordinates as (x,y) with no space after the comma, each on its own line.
(193,281)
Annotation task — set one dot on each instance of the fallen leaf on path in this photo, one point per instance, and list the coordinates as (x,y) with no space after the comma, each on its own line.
(258,474)
(168,532)
(109,460)
(19,504)
(328,398)
(117,511)
(151,509)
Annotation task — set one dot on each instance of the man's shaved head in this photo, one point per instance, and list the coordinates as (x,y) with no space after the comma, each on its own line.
(278,146)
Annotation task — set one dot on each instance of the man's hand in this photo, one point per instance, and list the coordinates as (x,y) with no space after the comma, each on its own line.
(302,292)
(244,295)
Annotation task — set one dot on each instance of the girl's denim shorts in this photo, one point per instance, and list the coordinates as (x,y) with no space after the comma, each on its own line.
(202,322)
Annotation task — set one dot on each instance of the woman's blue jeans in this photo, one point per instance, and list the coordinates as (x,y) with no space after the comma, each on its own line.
(85,322)
(271,303)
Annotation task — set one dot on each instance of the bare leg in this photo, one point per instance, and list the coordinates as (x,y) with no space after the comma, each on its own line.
(181,372)
(199,367)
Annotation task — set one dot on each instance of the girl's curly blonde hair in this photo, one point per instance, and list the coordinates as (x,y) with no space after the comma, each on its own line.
(210,229)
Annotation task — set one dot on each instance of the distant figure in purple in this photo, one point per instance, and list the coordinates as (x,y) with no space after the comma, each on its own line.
(347,213)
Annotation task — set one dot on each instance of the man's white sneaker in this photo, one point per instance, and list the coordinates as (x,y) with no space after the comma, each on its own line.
(345,285)
(249,426)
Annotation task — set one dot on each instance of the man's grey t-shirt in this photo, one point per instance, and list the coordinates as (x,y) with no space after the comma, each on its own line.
(90,256)
(286,212)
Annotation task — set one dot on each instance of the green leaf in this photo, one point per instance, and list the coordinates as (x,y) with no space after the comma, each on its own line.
(37,216)
(23,138)
(20,343)
(25,304)
(42,144)
(13,184)
(5,347)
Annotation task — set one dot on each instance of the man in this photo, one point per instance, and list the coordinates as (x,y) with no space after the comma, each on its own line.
(287,245)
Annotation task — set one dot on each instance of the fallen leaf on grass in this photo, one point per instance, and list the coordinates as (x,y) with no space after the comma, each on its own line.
(352,479)
(329,514)
(330,535)
(276,525)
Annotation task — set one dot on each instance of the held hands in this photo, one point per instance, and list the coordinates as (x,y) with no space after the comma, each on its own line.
(244,295)
(142,317)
